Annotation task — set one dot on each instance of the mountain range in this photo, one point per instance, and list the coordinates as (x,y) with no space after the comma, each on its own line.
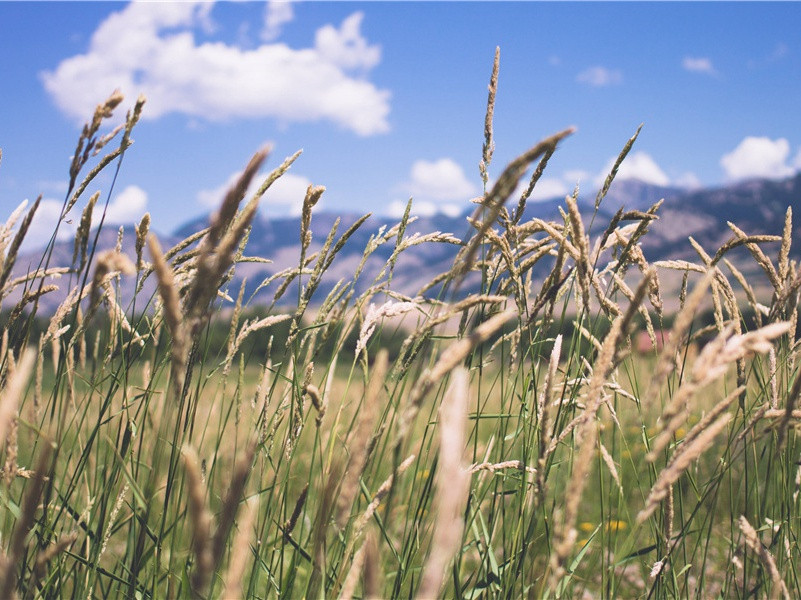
(756,206)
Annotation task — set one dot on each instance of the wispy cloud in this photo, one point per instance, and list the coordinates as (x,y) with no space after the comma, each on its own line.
(277,13)
(600,76)
(151,48)
(699,64)
(780,51)
(759,157)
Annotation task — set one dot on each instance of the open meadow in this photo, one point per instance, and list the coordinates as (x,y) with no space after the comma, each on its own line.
(520,428)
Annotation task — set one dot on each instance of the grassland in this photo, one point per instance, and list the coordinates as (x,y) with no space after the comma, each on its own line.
(514,443)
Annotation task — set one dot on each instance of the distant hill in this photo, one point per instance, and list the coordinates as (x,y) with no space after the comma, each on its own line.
(756,206)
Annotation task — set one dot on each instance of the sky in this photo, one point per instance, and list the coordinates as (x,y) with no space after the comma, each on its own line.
(387,99)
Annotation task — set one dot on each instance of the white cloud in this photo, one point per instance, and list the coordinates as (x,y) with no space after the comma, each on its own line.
(127,207)
(439,180)
(345,46)
(797,160)
(600,76)
(150,47)
(284,197)
(423,208)
(438,186)
(758,157)
(688,180)
(699,64)
(277,13)
(44,223)
(546,189)
(638,165)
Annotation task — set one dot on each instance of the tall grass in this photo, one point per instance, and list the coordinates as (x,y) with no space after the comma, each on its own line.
(514,445)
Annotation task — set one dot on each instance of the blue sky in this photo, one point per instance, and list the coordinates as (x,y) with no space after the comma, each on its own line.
(387,99)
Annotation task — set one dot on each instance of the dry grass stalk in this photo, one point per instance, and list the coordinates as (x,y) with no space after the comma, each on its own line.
(142,230)
(10,469)
(682,458)
(787,240)
(453,485)
(610,464)
(667,358)
(27,512)
(313,195)
(790,403)
(448,360)
(7,228)
(583,265)
(751,539)
(240,552)
(289,526)
(712,363)
(669,516)
(13,250)
(352,578)
(760,257)
(28,297)
(38,377)
(52,551)
(501,466)
(359,440)
(565,533)
(216,250)
(710,417)
(14,391)
(112,519)
(774,379)
(107,265)
(380,494)
(489,144)
(231,503)
(201,521)
(172,313)
(498,195)
(376,314)
(82,234)
(609,178)
(248,328)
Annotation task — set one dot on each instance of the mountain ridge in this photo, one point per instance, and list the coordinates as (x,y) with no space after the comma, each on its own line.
(756,206)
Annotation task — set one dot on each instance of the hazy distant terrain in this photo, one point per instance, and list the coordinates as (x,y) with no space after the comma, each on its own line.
(757,206)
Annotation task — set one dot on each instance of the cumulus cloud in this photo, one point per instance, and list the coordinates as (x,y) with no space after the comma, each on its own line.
(600,76)
(758,157)
(44,223)
(127,207)
(150,47)
(284,197)
(345,46)
(277,13)
(435,186)
(442,179)
(546,189)
(638,165)
(699,64)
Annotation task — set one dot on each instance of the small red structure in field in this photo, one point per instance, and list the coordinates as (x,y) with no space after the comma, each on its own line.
(644,344)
